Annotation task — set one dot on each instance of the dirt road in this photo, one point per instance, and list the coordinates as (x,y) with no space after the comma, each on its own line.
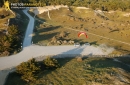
(29,31)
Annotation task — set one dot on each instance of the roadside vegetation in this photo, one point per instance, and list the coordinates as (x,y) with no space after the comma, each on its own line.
(10,41)
(29,70)
(75,71)
(12,29)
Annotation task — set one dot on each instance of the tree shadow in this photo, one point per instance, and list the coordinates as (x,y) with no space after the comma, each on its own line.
(45,33)
(79,41)
(114,30)
(47,29)
(16,77)
(108,63)
(120,49)
(67,56)
(43,37)
(77,51)
(124,59)
(39,21)
(94,43)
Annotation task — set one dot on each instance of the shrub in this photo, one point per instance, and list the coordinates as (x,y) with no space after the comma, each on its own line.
(28,70)
(11,41)
(62,34)
(79,59)
(51,63)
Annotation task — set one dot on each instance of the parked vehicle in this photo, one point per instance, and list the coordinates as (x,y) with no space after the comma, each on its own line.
(87,44)
(76,44)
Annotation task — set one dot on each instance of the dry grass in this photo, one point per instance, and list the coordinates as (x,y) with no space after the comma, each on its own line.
(4,20)
(117,27)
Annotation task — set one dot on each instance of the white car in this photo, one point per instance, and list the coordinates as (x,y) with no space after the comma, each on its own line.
(76,44)
(88,44)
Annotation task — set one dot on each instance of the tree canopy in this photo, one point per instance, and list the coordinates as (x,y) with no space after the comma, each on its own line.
(28,70)
(9,41)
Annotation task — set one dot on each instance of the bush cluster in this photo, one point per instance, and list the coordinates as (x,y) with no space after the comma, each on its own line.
(28,70)
(10,41)
(31,68)
(51,63)
(61,39)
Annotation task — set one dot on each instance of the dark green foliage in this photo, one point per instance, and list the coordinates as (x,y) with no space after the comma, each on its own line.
(28,70)
(51,63)
(1,3)
(10,42)
(13,30)
(31,68)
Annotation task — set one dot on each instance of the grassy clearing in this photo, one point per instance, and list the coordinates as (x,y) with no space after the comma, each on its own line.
(89,71)
(117,27)
(4,20)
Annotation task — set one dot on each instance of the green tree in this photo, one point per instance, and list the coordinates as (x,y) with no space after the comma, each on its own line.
(50,63)
(13,34)
(1,3)
(28,70)
(4,44)
(13,30)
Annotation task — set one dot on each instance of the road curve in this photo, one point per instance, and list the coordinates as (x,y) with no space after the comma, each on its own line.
(29,31)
